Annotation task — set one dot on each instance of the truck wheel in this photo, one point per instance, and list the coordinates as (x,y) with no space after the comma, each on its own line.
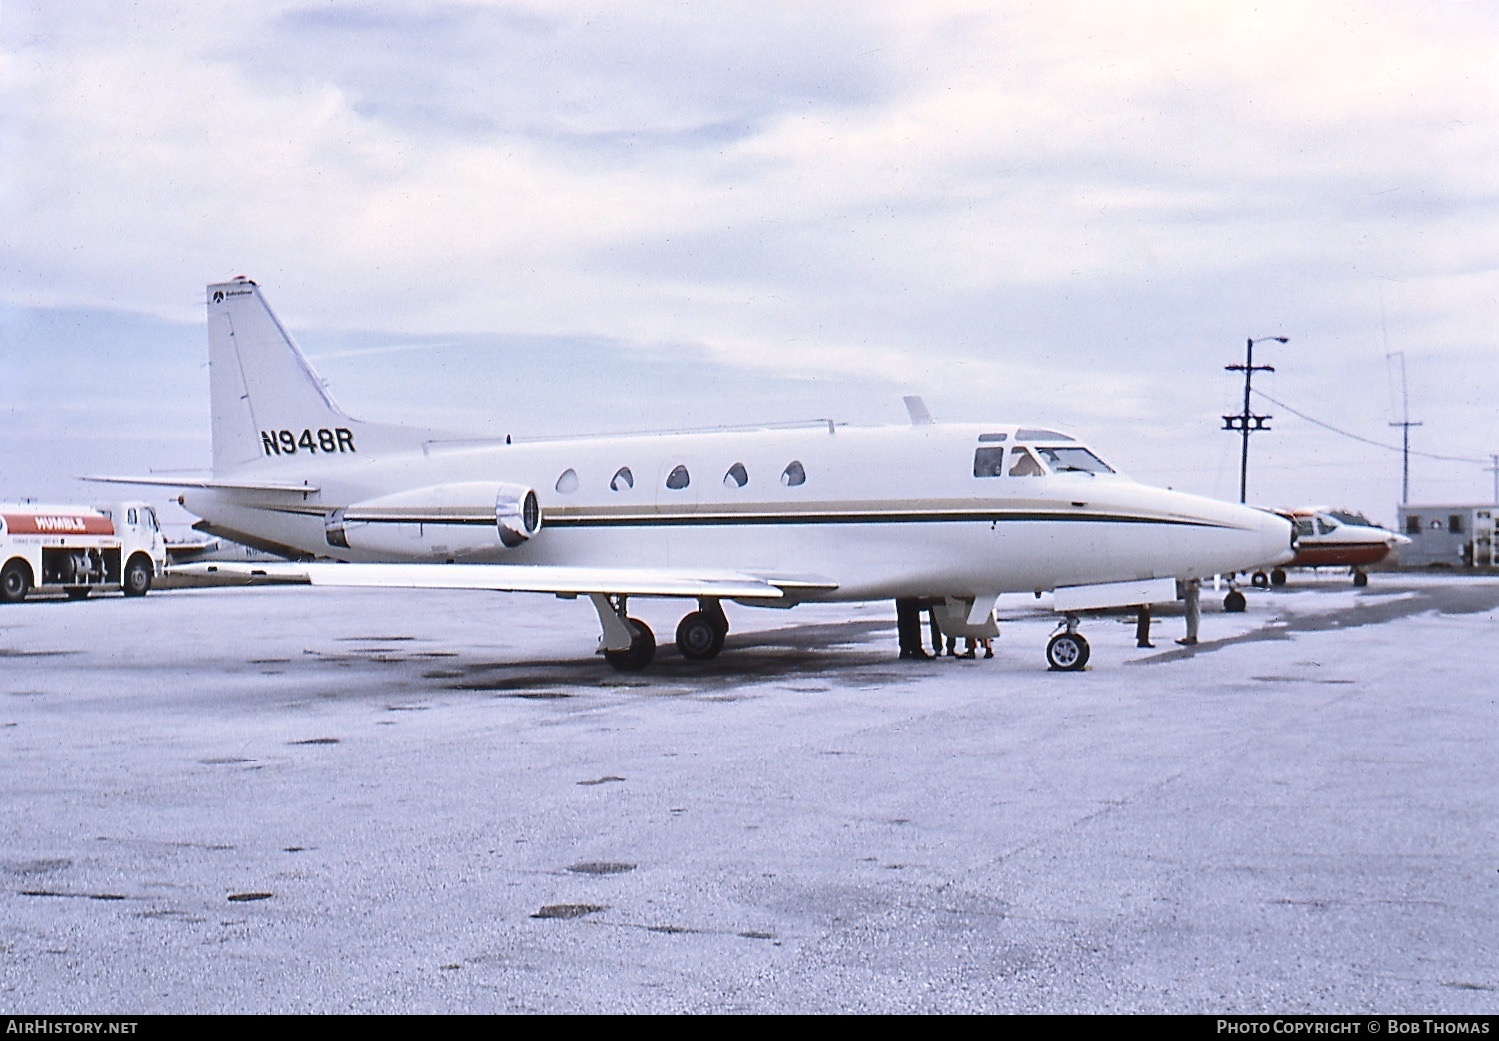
(137,576)
(15,582)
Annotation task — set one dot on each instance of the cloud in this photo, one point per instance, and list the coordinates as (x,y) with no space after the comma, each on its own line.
(1012,205)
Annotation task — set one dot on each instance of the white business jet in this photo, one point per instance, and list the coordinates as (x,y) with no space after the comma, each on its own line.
(762,517)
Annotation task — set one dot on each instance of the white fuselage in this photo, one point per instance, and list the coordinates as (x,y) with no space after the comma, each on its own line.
(881,512)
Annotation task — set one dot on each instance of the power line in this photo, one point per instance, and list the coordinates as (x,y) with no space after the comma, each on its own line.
(1368,440)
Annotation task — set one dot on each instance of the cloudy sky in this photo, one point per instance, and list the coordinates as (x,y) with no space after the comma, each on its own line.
(571,216)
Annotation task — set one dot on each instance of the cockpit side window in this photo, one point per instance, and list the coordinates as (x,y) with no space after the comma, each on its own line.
(1304,527)
(1023,464)
(1324,526)
(1073,460)
(989,462)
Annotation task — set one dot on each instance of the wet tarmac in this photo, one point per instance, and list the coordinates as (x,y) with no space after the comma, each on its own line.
(286,800)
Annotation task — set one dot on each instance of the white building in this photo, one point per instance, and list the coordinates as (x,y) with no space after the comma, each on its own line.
(1456,535)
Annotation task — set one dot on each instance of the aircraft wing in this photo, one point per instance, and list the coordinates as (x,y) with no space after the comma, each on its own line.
(528,578)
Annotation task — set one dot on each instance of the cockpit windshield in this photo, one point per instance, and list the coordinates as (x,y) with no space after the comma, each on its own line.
(1073,459)
(994,460)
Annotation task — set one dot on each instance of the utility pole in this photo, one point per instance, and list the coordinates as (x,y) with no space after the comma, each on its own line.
(1405,459)
(1405,424)
(1246,422)
(1494,469)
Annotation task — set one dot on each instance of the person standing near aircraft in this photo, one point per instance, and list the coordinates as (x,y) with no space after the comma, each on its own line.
(1191,600)
(908,628)
(936,627)
(1142,626)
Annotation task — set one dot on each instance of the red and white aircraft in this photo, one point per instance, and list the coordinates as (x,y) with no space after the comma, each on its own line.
(1333,538)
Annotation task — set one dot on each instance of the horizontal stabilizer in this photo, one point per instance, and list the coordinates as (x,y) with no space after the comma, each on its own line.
(513,578)
(206,482)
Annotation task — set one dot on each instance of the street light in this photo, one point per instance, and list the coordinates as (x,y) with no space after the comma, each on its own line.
(1246,422)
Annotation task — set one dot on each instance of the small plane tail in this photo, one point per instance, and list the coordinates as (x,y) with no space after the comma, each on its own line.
(267,401)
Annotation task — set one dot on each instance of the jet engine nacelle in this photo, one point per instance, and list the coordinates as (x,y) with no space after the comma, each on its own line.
(470,520)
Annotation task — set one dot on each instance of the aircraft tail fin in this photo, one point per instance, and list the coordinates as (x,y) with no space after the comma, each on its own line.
(267,400)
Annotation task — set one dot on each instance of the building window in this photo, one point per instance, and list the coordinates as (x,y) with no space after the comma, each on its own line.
(1455,524)
(794,475)
(736,477)
(621,480)
(678,479)
(1413,524)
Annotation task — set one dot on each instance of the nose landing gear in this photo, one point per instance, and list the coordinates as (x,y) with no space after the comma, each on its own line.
(1067,651)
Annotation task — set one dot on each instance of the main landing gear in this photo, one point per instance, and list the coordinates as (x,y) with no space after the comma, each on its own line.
(700,634)
(629,645)
(1067,651)
(1262,580)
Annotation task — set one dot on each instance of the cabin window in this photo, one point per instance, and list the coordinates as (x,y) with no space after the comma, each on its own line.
(1455,524)
(989,462)
(678,479)
(1024,434)
(1023,464)
(1073,460)
(990,438)
(568,482)
(736,477)
(1413,524)
(621,480)
(795,475)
